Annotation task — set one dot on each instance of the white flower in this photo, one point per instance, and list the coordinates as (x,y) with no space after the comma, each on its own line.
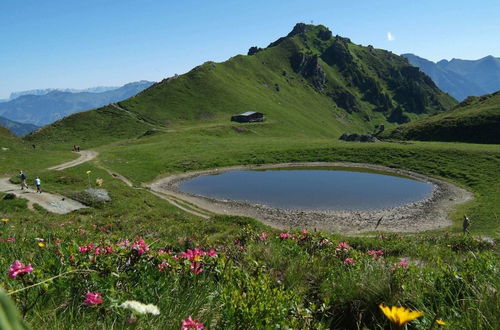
(140,308)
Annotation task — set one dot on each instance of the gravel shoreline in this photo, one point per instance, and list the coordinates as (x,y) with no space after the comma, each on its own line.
(431,213)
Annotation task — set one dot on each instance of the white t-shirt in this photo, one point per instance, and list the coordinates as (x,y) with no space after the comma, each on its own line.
(37,181)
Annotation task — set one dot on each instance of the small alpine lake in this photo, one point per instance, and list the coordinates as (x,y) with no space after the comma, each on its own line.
(311,188)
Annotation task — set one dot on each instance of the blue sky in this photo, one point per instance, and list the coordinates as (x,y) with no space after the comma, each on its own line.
(78,44)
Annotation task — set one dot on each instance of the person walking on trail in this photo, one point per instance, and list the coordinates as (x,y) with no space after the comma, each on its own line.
(38,182)
(466,224)
(22,176)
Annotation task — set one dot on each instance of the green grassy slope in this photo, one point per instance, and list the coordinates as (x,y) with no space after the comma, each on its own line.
(477,119)
(308,81)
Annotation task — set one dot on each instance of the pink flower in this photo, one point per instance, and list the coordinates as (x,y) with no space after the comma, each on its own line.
(375,253)
(17,268)
(140,246)
(125,243)
(189,323)
(211,253)
(263,236)
(286,236)
(164,265)
(403,264)
(82,249)
(196,268)
(92,298)
(161,251)
(349,261)
(109,249)
(11,239)
(343,245)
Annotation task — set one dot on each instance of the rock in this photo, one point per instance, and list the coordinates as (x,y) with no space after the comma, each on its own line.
(253,50)
(354,137)
(9,196)
(309,67)
(97,195)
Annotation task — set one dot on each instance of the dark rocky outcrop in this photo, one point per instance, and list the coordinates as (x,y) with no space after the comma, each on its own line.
(354,137)
(309,67)
(345,100)
(254,50)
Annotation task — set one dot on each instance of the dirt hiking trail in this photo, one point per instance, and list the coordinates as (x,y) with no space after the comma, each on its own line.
(51,202)
(85,156)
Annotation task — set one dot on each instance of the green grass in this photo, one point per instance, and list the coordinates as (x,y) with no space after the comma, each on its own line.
(359,87)
(477,120)
(299,282)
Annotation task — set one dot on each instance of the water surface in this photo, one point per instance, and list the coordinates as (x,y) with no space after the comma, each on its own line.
(310,189)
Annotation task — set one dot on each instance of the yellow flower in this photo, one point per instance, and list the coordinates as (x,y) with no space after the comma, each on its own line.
(5,220)
(440,322)
(88,172)
(400,315)
(41,244)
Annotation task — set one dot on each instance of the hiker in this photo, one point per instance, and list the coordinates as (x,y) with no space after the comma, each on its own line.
(76,148)
(38,182)
(22,176)
(466,224)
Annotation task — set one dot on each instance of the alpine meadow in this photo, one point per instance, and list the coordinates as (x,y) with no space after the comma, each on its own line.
(136,252)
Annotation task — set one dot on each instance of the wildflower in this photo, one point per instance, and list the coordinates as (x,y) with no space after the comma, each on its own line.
(5,220)
(41,244)
(399,315)
(88,172)
(109,249)
(140,246)
(125,243)
(196,268)
(99,182)
(403,264)
(211,253)
(440,322)
(11,239)
(263,236)
(189,323)
(140,308)
(17,268)
(343,245)
(375,253)
(349,261)
(286,236)
(92,298)
(164,265)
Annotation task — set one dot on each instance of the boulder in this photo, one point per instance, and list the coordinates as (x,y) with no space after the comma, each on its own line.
(97,195)
(354,137)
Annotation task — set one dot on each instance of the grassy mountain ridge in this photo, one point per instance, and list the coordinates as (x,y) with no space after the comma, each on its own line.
(476,119)
(309,81)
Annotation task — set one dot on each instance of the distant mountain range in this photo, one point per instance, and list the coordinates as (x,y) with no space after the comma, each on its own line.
(18,129)
(462,78)
(46,106)
(98,89)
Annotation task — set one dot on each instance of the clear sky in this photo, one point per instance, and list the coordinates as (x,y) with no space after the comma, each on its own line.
(86,43)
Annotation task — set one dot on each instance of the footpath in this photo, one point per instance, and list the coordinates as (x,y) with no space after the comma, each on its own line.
(51,202)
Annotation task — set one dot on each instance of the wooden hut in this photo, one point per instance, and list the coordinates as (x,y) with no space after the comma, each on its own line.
(248,117)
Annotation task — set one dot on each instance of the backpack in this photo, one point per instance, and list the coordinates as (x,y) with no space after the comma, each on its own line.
(22,176)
